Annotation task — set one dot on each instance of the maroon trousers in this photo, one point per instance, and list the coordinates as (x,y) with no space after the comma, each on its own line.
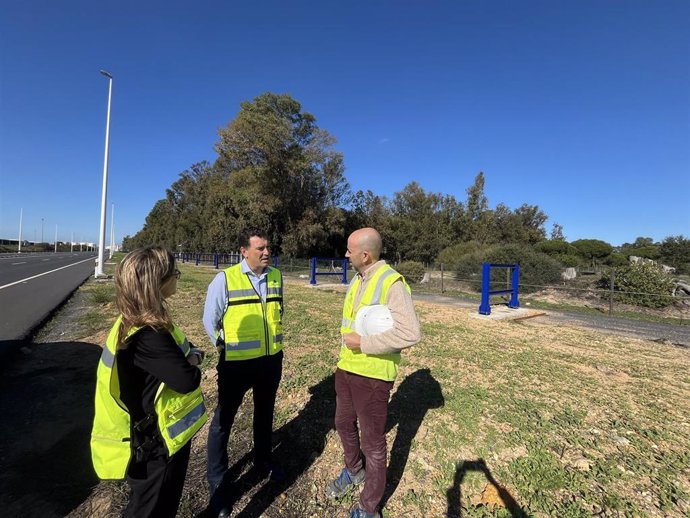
(363,399)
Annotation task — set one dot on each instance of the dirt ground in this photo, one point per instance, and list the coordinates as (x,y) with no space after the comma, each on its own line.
(47,394)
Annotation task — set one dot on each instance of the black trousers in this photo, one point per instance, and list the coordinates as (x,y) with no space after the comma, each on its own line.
(157,484)
(235,378)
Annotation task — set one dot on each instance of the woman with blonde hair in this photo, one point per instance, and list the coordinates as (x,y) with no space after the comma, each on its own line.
(148,400)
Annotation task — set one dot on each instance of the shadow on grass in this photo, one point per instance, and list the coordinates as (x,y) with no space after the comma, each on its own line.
(454,493)
(300,441)
(46,403)
(416,395)
(297,444)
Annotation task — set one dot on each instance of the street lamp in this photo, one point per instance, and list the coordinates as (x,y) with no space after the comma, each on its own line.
(112,231)
(19,242)
(101,234)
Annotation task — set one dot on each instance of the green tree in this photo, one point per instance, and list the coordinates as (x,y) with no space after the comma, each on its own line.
(592,249)
(557,233)
(282,170)
(675,251)
(476,221)
(421,223)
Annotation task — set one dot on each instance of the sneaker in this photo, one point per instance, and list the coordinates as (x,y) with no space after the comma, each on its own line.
(361,513)
(344,483)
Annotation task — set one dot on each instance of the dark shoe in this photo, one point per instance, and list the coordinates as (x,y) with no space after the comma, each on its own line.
(218,502)
(344,483)
(361,513)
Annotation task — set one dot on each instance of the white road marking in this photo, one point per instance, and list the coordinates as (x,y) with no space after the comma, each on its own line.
(44,273)
(23,262)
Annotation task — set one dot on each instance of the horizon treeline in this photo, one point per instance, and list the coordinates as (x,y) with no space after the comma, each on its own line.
(278,170)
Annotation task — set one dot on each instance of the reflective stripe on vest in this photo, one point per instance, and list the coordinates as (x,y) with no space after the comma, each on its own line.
(250,327)
(187,421)
(379,366)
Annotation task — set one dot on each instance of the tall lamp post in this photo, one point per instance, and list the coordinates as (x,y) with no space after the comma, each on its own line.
(19,241)
(112,230)
(101,234)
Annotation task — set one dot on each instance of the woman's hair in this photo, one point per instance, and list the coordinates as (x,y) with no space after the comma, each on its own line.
(138,282)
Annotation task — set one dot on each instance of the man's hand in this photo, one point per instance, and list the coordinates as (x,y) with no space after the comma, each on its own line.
(352,341)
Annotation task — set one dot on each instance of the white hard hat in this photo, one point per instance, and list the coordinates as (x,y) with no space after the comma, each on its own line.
(373,320)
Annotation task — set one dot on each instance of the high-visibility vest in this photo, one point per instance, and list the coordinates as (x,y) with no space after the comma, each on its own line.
(379,366)
(252,328)
(178,416)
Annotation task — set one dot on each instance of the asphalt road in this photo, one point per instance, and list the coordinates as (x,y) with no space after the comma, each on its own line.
(33,285)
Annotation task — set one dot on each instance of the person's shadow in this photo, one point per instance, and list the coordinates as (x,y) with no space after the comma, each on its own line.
(416,394)
(454,493)
(297,444)
(46,403)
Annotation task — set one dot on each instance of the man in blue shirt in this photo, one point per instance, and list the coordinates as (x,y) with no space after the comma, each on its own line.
(243,318)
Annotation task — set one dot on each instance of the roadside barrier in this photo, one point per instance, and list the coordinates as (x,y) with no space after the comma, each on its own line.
(342,273)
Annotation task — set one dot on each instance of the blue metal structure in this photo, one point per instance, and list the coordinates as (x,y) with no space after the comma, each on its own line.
(485,308)
(314,273)
(216,259)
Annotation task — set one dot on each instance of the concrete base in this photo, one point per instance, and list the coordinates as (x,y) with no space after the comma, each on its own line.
(502,312)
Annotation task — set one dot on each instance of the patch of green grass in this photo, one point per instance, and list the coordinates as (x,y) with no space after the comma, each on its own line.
(102,293)
(529,401)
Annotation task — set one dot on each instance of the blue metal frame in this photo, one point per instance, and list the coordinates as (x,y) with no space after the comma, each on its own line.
(215,258)
(314,273)
(485,307)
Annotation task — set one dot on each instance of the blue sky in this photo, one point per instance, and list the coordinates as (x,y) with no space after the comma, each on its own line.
(581,107)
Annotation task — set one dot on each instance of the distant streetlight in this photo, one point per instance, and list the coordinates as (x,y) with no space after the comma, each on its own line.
(41,233)
(55,251)
(101,234)
(19,243)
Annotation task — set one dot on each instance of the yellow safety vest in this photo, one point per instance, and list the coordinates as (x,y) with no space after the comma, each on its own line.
(252,328)
(179,416)
(379,366)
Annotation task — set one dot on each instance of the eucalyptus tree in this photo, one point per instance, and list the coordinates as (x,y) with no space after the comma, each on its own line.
(281,173)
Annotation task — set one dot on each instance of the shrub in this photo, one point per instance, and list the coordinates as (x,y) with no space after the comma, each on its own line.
(642,284)
(413,271)
(617,259)
(569,260)
(450,256)
(536,269)
(102,293)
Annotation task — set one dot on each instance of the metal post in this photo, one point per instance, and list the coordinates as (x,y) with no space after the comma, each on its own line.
(613,276)
(55,251)
(71,244)
(112,230)
(19,242)
(485,308)
(313,271)
(345,264)
(104,190)
(514,302)
(441,277)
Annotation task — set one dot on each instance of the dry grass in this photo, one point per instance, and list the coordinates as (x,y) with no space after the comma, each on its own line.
(487,418)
